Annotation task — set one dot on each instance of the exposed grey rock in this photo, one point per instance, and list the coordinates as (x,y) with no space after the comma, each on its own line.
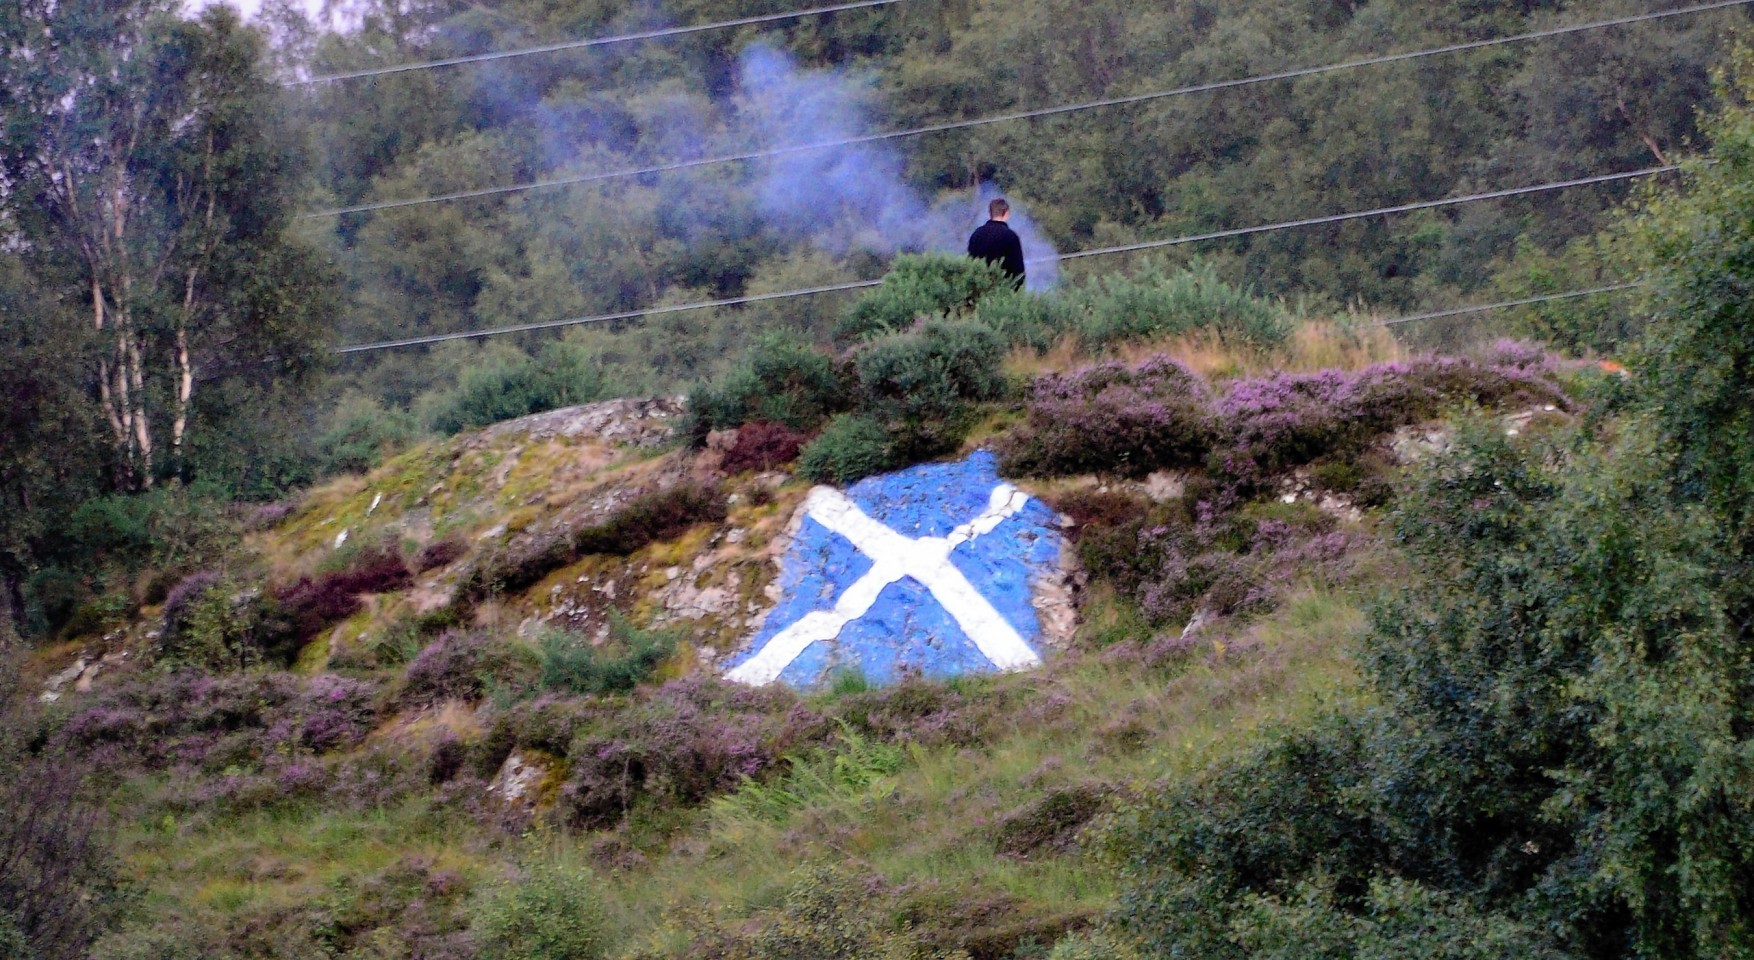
(1196,623)
(636,422)
(519,779)
(1163,486)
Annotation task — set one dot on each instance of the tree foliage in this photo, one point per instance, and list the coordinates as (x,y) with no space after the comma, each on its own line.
(1561,753)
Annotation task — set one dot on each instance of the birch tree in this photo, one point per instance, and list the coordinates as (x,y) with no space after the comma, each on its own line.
(140,149)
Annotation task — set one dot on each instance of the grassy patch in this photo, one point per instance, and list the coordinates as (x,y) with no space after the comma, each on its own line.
(933,817)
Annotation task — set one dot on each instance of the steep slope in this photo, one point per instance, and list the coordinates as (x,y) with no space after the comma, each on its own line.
(502,652)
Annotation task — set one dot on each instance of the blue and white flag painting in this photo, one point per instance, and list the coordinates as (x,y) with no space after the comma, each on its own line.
(930,569)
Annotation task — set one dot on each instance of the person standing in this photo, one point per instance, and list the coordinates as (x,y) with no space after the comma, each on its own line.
(995,242)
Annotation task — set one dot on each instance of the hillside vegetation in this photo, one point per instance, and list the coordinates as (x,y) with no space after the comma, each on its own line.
(1376,651)
(219,309)
(465,704)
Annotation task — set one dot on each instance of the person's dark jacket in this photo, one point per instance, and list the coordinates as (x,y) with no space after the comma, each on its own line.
(995,242)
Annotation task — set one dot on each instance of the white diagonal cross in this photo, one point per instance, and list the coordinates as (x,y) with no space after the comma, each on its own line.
(926,559)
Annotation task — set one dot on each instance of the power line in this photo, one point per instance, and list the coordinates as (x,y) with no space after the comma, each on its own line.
(1016,115)
(603,317)
(1363,214)
(1526,301)
(1100,251)
(593,42)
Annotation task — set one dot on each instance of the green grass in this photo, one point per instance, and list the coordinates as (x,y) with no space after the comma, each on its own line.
(933,818)
(924,819)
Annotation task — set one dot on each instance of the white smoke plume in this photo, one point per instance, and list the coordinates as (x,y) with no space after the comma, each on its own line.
(854,197)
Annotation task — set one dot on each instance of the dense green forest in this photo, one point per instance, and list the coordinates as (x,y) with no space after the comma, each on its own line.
(1327,698)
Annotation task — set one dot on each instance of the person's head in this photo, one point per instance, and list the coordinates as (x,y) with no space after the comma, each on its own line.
(999,209)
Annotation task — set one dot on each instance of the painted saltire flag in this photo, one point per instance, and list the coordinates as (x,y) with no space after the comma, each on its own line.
(930,569)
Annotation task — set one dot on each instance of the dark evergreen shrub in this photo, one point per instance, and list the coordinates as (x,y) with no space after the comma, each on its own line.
(572,664)
(922,385)
(850,448)
(782,380)
(503,386)
(919,287)
(1115,308)
(361,434)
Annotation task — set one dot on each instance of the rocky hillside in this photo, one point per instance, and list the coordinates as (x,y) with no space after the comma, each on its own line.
(490,676)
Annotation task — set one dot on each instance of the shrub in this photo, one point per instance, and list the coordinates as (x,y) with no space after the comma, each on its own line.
(689,741)
(208,623)
(569,374)
(371,569)
(919,287)
(59,888)
(1283,420)
(334,712)
(1114,308)
(53,594)
(571,665)
(783,380)
(361,433)
(200,720)
(500,388)
(303,609)
(505,386)
(547,722)
(182,597)
(650,517)
(852,447)
(1027,319)
(410,907)
(464,666)
(552,912)
(1112,417)
(827,913)
(1399,918)
(172,526)
(762,446)
(1193,554)
(928,376)
(440,553)
(1087,946)
(516,567)
(181,939)
(916,710)
(1052,822)
(647,518)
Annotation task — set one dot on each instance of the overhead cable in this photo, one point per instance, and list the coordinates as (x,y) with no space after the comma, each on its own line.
(1015,115)
(1505,304)
(1099,251)
(1363,214)
(593,42)
(603,317)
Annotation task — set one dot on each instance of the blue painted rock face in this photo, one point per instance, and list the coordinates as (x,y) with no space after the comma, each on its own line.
(932,569)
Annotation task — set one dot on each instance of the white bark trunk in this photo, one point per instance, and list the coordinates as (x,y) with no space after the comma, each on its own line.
(142,426)
(185,374)
(106,397)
